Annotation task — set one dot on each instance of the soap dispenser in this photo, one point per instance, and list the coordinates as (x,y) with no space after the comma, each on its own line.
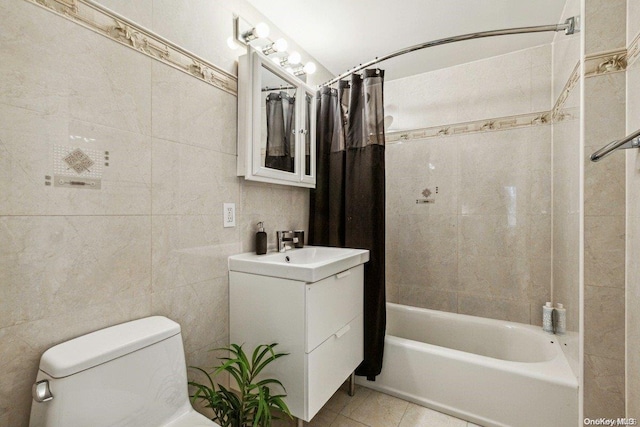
(561,319)
(261,240)
(547,318)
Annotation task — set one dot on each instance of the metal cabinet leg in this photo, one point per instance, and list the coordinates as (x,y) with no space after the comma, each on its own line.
(352,383)
(300,422)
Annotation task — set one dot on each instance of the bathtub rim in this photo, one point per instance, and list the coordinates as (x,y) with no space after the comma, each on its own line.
(561,371)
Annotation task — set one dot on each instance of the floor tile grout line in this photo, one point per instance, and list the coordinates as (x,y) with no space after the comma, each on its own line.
(403,414)
(357,421)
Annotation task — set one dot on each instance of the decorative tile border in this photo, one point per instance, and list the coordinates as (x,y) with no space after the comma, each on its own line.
(501,123)
(95,17)
(572,81)
(606,62)
(557,114)
(633,50)
(91,15)
(594,65)
(487,125)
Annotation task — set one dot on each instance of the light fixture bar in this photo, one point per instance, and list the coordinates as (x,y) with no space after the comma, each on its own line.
(244,31)
(277,46)
(308,68)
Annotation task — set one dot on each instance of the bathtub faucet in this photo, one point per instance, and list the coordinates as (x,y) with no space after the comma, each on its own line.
(283,238)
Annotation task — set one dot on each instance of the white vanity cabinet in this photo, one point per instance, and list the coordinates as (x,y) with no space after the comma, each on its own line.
(319,324)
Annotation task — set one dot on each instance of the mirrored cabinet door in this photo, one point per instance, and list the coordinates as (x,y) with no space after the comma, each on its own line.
(308,164)
(276,124)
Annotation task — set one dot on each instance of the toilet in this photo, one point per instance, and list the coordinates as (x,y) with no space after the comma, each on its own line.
(128,375)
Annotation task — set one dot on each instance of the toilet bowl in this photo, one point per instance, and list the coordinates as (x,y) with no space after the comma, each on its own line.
(128,375)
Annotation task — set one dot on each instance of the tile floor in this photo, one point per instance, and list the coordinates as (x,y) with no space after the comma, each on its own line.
(369,408)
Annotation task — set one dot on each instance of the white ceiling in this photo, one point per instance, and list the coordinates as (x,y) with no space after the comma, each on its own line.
(343,33)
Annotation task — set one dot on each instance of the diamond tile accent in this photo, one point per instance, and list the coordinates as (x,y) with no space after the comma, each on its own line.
(79,161)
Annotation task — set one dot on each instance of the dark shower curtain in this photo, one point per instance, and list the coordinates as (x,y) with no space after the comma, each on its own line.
(280,140)
(347,207)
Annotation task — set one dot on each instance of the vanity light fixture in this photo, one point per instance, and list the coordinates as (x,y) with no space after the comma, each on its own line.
(292,59)
(308,68)
(277,46)
(260,31)
(244,31)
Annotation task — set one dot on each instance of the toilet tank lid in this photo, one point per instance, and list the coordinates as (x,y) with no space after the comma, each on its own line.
(101,346)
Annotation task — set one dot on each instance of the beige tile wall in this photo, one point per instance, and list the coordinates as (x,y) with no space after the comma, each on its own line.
(605,25)
(567,208)
(483,248)
(632,379)
(151,240)
(505,85)
(604,219)
(203,26)
(567,201)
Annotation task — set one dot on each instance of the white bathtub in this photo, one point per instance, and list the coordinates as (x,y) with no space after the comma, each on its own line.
(489,372)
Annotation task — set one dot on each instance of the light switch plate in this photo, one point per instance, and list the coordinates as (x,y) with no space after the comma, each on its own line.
(229,215)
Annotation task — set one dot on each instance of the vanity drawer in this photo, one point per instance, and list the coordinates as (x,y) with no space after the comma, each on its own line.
(329,365)
(332,303)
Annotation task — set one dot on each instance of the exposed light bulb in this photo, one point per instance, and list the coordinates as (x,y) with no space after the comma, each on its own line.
(232,43)
(309,67)
(289,70)
(294,58)
(280,45)
(277,46)
(261,30)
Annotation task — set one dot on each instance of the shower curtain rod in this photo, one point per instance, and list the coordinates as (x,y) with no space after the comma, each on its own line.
(569,27)
(274,88)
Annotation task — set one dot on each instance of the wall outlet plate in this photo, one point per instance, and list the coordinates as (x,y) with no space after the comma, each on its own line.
(229,215)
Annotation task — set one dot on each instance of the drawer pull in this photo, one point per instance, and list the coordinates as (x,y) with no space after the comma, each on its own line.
(342,331)
(343,274)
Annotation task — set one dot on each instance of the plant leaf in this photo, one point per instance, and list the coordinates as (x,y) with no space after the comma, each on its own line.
(253,403)
(267,361)
(270,381)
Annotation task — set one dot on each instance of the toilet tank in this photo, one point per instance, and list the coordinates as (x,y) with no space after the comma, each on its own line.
(131,374)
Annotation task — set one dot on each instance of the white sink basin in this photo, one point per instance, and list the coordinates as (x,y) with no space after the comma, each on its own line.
(308,264)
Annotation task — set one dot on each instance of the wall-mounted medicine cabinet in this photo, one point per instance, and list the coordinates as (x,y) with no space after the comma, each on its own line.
(276,123)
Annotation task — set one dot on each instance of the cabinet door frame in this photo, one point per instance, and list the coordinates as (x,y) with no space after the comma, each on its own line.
(250,100)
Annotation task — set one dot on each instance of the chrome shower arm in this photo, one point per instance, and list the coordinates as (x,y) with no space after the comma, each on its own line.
(630,141)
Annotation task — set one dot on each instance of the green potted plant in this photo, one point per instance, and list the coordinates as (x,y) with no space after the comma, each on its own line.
(252,404)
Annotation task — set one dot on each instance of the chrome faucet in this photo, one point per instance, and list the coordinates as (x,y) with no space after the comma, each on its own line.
(283,238)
